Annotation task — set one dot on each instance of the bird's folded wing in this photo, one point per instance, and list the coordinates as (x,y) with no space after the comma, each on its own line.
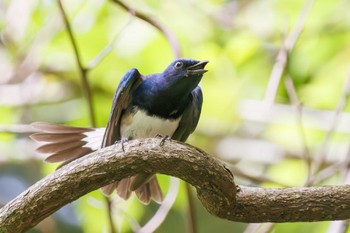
(190,117)
(121,101)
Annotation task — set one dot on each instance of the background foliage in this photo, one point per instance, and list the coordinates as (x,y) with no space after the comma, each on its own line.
(294,137)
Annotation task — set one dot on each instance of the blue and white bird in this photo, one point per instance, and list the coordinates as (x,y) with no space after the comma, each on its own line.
(144,106)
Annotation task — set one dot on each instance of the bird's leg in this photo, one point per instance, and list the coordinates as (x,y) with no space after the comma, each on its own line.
(122,141)
(164,138)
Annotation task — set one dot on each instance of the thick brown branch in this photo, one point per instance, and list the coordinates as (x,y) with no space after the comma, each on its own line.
(292,204)
(214,184)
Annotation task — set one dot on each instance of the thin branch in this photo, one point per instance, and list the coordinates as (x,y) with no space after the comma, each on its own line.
(191,210)
(82,70)
(17,129)
(282,56)
(343,100)
(168,34)
(259,228)
(107,49)
(295,101)
(326,173)
(257,179)
(214,184)
(108,203)
(343,226)
(162,212)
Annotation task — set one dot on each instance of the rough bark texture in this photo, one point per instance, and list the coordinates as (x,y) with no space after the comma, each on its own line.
(214,184)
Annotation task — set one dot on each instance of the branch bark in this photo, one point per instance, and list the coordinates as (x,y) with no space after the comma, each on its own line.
(214,183)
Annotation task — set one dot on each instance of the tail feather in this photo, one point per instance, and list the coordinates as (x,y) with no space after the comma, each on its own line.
(108,189)
(68,155)
(143,193)
(57,138)
(123,188)
(156,192)
(60,146)
(139,180)
(66,143)
(55,128)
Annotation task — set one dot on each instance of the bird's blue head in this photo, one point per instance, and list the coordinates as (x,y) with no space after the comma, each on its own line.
(184,74)
(167,94)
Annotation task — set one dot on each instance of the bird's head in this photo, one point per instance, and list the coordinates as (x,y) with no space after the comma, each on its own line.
(184,73)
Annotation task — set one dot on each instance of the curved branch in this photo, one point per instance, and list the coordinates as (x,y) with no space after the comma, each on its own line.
(214,184)
(168,34)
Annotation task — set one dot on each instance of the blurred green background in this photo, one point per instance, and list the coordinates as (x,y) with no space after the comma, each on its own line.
(265,137)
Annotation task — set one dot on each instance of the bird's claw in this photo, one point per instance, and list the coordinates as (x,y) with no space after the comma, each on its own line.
(164,139)
(122,141)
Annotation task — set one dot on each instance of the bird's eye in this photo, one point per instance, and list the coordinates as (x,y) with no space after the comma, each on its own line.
(178,65)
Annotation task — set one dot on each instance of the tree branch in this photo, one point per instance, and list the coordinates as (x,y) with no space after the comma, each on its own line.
(83,71)
(214,184)
(168,34)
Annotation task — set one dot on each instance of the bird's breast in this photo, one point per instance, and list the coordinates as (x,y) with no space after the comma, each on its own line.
(137,124)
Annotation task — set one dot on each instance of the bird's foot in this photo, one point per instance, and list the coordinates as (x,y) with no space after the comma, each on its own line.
(122,141)
(164,139)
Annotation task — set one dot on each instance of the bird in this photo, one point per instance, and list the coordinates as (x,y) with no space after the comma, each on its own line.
(167,104)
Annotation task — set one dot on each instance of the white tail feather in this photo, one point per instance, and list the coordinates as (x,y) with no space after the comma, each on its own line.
(93,139)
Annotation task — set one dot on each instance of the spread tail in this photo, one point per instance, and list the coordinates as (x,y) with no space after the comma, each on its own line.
(66,143)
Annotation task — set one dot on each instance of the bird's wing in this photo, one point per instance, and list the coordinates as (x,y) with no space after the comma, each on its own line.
(121,101)
(190,117)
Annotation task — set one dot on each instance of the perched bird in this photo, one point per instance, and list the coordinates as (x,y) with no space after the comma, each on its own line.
(167,104)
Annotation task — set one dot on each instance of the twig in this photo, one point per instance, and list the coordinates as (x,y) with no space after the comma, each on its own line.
(282,56)
(108,202)
(342,226)
(169,35)
(164,208)
(191,210)
(82,70)
(343,100)
(255,179)
(326,173)
(259,228)
(107,49)
(17,129)
(132,222)
(295,101)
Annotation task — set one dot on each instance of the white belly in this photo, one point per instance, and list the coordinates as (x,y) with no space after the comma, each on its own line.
(141,125)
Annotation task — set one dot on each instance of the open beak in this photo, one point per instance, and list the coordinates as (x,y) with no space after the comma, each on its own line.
(197,69)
